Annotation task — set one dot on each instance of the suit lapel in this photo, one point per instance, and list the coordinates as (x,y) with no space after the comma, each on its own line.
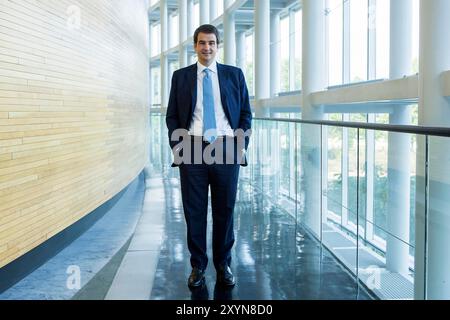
(223,83)
(192,78)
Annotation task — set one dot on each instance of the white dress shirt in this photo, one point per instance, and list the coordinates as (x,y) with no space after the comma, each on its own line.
(223,126)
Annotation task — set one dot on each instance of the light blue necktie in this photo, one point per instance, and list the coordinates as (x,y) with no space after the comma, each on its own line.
(209,114)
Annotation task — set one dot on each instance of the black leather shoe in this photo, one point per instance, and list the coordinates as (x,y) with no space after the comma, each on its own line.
(197,278)
(225,276)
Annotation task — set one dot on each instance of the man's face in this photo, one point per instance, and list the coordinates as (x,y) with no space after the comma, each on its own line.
(206,48)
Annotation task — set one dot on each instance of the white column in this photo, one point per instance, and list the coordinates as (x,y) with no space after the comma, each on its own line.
(204,12)
(313,75)
(229,39)
(190,18)
(164,61)
(435,58)
(182,24)
(240,50)
(262,54)
(434,110)
(212,10)
(400,41)
(313,79)
(275,53)
(399,162)
(227,4)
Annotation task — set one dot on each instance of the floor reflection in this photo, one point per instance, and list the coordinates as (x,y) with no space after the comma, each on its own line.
(199,294)
(273,259)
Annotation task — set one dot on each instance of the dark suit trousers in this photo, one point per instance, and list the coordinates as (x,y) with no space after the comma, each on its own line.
(196,179)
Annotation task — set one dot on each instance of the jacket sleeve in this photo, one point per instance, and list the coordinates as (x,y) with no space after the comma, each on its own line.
(172,119)
(245,121)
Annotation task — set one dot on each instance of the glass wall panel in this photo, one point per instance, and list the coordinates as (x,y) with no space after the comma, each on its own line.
(335,171)
(357,184)
(156,40)
(156,139)
(156,86)
(310,191)
(415,37)
(358,40)
(220,55)
(335,42)
(298,50)
(173,66)
(174,38)
(284,38)
(285,148)
(194,58)
(382,29)
(196,14)
(437,219)
(249,63)
(219,8)
(380,189)
(339,218)
(386,261)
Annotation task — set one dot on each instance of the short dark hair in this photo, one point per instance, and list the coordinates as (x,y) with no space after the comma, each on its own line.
(208,29)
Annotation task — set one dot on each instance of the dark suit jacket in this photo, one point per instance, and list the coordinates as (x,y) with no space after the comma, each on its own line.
(183,99)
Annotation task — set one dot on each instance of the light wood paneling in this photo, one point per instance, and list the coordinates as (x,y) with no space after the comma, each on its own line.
(73,112)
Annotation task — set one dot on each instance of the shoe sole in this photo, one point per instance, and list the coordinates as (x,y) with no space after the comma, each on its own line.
(200,283)
(224,284)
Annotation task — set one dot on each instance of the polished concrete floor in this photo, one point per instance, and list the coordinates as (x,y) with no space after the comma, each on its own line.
(86,256)
(273,259)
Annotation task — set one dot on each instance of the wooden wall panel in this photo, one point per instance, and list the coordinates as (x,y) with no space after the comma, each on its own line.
(73,112)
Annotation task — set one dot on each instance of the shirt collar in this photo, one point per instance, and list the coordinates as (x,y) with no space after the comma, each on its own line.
(201,68)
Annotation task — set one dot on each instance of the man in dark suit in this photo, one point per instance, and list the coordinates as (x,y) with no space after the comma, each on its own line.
(209,104)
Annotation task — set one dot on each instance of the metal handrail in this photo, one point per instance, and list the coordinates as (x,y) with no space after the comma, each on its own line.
(422,130)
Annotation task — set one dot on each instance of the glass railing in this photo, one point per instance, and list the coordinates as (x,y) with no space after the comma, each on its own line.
(376,197)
